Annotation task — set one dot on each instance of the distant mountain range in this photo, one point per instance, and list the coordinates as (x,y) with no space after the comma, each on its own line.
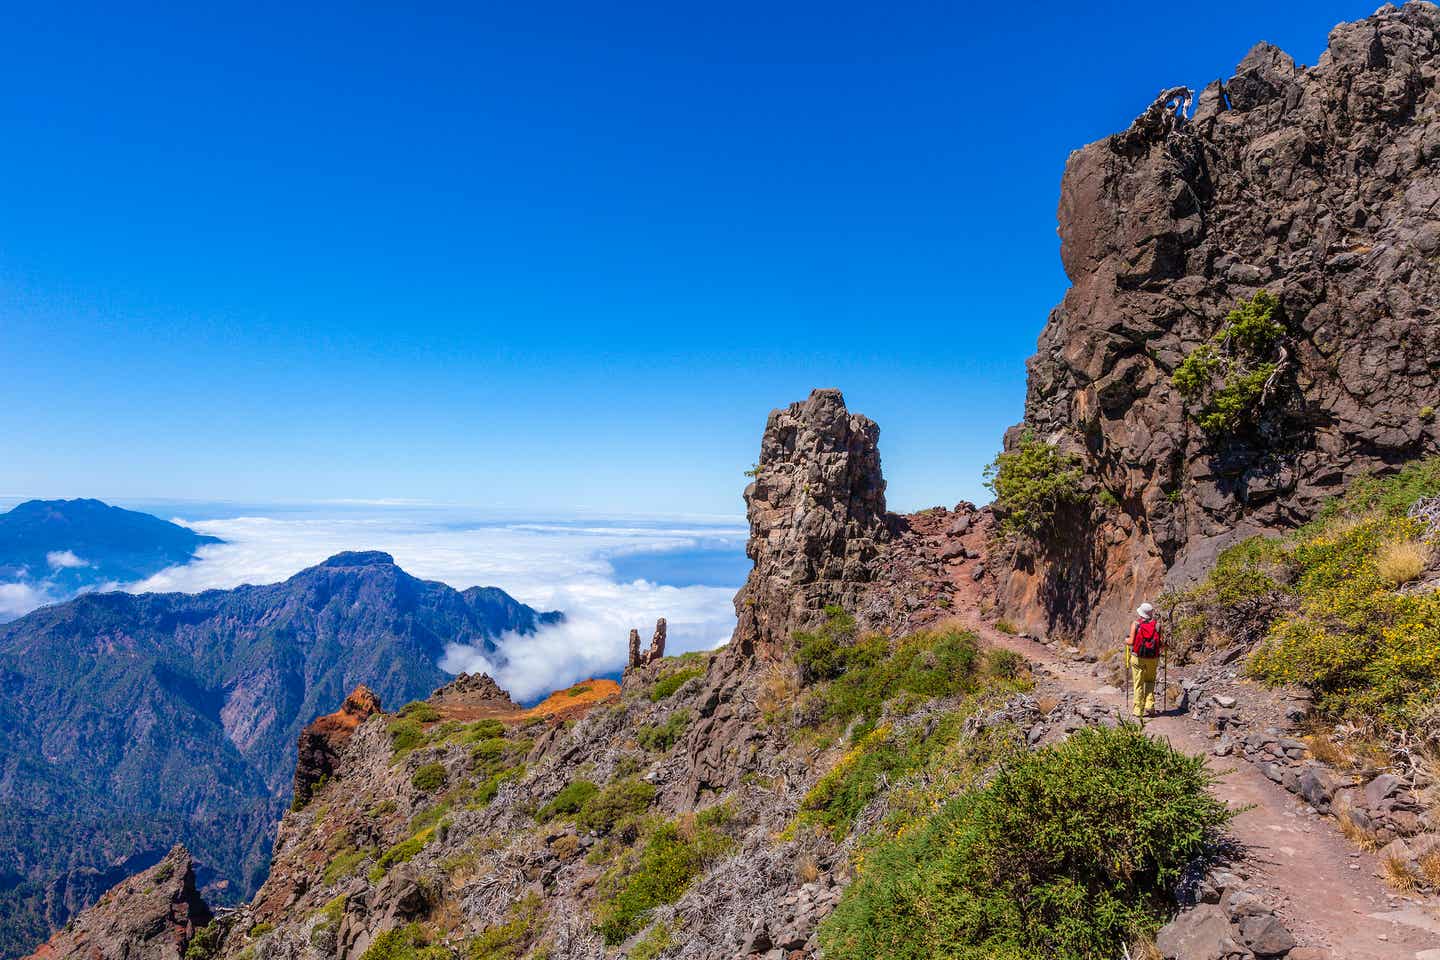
(134,721)
(60,547)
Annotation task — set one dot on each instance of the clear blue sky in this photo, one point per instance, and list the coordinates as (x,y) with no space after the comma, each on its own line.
(544,255)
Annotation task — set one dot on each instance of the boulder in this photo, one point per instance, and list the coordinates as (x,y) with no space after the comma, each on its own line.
(1196,934)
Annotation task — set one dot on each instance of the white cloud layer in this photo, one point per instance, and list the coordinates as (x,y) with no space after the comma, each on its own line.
(551,566)
(18,599)
(60,559)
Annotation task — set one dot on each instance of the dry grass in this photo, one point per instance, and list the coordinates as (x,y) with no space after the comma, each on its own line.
(1398,876)
(1430,868)
(807,870)
(1324,748)
(1352,831)
(1144,949)
(778,689)
(1005,626)
(1401,561)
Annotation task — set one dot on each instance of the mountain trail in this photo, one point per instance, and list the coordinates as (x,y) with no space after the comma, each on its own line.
(1326,889)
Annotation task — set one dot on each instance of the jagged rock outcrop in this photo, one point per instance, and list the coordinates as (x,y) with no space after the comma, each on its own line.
(1320,185)
(817,519)
(656,651)
(817,529)
(150,916)
(320,742)
(474,690)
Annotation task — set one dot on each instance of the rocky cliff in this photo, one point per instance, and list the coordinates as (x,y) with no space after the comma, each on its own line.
(150,916)
(817,520)
(1320,185)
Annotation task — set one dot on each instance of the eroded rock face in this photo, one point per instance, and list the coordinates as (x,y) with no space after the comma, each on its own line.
(818,527)
(817,519)
(150,916)
(1320,185)
(320,742)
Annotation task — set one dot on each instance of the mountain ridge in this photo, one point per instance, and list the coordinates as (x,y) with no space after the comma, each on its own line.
(173,717)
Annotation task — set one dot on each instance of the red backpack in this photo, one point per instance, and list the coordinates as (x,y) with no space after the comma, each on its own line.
(1147,639)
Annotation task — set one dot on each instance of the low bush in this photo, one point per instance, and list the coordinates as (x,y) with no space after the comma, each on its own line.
(345,864)
(406,849)
(419,711)
(1069,852)
(672,857)
(868,672)
(873,764)
(659,737)
(410,942)
(405,735)
(656,941)
(1005,664)
(1230,379)
(671,682)
(428,777)
(1032,484)
(568,801)
(480,730)
(620,803)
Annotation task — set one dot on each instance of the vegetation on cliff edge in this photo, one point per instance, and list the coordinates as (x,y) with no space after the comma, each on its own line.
(1338,605)
(1069,852)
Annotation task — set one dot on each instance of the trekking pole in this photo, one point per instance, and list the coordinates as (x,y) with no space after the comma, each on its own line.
(1164,680)
(1126,683)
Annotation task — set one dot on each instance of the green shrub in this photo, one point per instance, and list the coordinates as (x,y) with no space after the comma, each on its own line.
(1032,484)
(1226,379)
(405,735)
(666,866)
(656,941)
(671,682)
(481,730)
(568,801)
(488,751)
(345,864)
(485,791)
(405,850)
(659,737)
(877,761)
(1004,664)
(1069,852)
(428,777)
(328,924)
(822,655)
(419,711)
(206,943)
(922,666)
(405,943)
(1006,626)
(619,802)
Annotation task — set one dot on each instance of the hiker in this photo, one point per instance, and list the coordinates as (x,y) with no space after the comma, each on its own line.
(1142,656)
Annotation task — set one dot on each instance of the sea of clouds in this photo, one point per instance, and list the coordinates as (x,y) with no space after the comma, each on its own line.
(551,565)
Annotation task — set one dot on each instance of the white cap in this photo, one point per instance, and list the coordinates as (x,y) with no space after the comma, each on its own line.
(1145,610)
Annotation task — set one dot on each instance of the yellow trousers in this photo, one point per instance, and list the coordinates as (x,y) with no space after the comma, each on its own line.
(1142,682)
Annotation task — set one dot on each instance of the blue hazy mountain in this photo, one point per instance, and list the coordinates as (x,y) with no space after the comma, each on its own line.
(64,546)
(135,721)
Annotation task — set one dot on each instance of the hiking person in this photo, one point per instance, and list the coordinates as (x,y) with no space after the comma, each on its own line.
(1142,656)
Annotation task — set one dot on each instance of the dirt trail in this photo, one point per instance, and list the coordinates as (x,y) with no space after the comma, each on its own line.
(1323,887)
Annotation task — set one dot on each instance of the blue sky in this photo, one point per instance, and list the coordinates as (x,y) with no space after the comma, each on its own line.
(543,256)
